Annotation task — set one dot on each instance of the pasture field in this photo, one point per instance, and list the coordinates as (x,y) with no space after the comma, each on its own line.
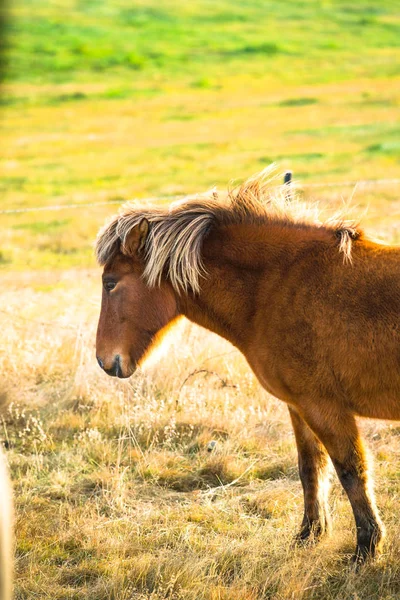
(114,100)
(117,495)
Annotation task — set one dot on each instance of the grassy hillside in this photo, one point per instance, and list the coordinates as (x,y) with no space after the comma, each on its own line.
(85,39)
(113,101)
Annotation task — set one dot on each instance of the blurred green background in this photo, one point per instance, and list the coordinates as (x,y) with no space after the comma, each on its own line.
(114,100)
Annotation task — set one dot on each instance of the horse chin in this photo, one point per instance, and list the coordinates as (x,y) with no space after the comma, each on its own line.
(128,372)
(125,375)
(121,374)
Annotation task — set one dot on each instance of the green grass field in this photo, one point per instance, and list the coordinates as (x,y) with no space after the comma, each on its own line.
(110,101)
(117,496)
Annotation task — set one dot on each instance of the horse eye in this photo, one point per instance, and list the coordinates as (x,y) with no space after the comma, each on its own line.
(109,285)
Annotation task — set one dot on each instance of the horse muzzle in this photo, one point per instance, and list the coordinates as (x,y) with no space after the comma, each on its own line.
(116,368)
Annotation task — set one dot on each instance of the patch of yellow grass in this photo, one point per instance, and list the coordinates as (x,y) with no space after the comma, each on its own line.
(189,140)
(118,495)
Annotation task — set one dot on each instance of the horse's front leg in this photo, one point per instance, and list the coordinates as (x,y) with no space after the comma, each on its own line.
(314,475)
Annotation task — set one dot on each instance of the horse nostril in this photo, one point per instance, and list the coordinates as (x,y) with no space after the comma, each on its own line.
(115,370)
(101,364)
(117,366)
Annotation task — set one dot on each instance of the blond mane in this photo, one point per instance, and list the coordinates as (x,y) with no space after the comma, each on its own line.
(177,232)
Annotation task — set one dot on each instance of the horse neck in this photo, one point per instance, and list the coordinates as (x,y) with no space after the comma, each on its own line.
(244,263)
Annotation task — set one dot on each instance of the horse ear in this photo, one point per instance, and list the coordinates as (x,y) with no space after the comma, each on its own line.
(136,239)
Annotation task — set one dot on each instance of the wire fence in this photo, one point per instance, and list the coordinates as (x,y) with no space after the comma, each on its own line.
(45,324)
(362,182)
(288,183)
(295,185)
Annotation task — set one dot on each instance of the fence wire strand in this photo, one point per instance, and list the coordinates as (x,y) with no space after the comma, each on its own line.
(293,184)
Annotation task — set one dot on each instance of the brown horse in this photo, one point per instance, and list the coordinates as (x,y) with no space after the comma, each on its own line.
(314,308)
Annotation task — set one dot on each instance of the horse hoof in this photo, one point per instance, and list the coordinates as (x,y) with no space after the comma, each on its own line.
(308,536)
(369,546)
(364,554)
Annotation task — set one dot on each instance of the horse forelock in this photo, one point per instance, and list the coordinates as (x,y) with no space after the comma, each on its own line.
(173,245)
(177,232)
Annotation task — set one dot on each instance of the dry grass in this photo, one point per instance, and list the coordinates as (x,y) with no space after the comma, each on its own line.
(120,494)
(117,494)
